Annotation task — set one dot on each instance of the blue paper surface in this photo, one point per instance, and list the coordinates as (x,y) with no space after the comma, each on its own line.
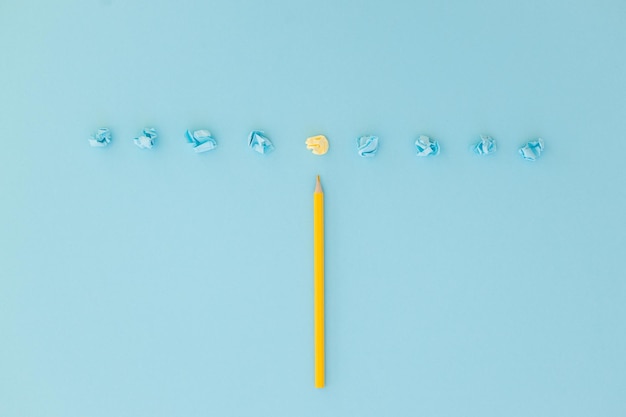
(137,283)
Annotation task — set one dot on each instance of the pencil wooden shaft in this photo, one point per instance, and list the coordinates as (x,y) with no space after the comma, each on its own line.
(318,286)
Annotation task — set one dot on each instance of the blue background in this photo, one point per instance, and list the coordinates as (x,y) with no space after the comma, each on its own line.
(162,283)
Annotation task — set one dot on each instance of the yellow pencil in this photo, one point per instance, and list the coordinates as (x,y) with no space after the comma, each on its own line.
(318,282)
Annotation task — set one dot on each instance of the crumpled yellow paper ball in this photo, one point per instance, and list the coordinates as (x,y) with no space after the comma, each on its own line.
(317,144)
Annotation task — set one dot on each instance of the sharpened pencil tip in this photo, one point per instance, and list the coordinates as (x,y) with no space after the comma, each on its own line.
(318,185)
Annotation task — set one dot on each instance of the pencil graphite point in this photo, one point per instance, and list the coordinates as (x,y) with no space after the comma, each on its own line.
(318,185)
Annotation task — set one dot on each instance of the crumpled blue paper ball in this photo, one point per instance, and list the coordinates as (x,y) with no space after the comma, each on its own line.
(202,140)
(367,146)
(259,142)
